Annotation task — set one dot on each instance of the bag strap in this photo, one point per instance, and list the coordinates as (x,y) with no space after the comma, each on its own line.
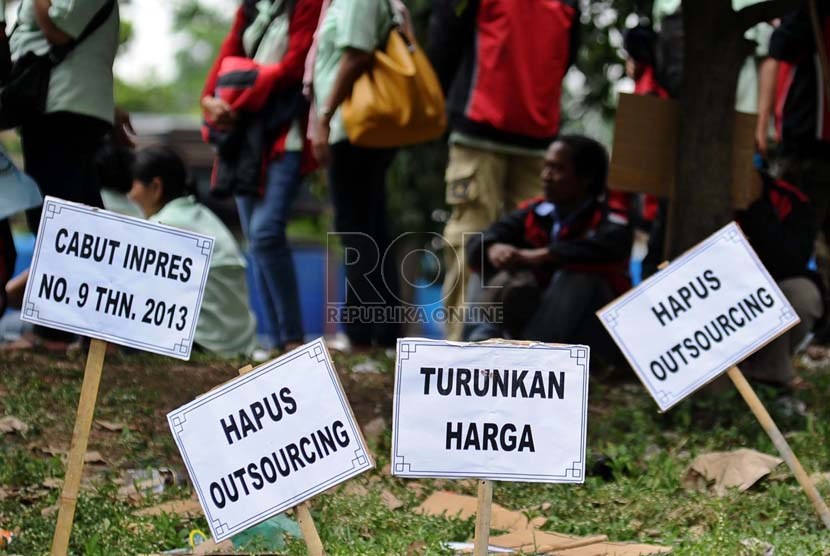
(59,52)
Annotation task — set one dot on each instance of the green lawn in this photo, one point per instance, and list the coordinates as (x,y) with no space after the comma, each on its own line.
(638,457)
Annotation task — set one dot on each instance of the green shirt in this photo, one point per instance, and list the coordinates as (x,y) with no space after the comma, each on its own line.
(226,325)
(360,24)
(115,201)
(83,82)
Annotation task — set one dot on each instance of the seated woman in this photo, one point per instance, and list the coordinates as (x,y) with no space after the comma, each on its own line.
(557,259)
(226,325)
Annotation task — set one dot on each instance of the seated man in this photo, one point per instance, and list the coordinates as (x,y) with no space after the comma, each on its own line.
(558,259)
(781,227)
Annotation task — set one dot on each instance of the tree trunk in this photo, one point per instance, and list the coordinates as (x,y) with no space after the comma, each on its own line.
(714,50)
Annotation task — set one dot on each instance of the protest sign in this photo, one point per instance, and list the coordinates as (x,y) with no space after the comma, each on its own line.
(494,411)
(708,310)
(498,410)
(698,317)
(269,440)
(116,278)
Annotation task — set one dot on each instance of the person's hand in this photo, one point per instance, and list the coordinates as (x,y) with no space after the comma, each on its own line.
(320,142)
(532,257)
(761,140)
(122,128)
(501,255)
(218,113)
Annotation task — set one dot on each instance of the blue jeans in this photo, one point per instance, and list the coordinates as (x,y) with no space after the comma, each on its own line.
(263,223)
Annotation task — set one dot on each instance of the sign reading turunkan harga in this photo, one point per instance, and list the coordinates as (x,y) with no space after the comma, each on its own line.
(501,411)
(707,311)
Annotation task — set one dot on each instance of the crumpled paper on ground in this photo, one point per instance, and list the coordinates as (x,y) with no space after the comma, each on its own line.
(524,536)
(717,472)
(464,507)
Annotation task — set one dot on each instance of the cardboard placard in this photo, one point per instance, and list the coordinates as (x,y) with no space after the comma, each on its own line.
(708,310)
(269,440)
(119,279)
(644,152)
(499,411)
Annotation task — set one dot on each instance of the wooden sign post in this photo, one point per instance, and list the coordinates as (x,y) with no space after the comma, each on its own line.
(270,440)
(77,450)
(484,410)
(698,317)
(780,443)
(485,506)
(114,279)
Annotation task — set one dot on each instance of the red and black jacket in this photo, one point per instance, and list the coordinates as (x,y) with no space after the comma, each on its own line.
(259,93)
(802,106)
(501,63)
(596,239)
(781,227)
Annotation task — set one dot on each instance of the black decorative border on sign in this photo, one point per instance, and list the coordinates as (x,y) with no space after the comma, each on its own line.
(180,347)
(665,400)
(360,463)
(572,474)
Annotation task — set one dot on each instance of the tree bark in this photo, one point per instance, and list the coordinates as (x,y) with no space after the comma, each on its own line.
(714,50)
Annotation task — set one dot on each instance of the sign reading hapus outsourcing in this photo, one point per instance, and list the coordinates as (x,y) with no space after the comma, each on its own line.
(269,440)
(499,411)
(708,310)
(116,278)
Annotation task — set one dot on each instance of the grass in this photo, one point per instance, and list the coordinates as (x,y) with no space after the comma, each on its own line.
(634,493)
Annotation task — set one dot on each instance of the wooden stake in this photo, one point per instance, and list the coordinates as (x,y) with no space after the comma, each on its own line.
(77,450)
(312,538)
(485,503)
(760,412)
(304,519)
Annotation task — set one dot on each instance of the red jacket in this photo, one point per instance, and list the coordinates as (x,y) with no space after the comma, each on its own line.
(502,63)
(272,78)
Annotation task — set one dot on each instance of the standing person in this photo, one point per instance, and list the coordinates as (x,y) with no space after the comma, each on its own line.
(802,108)
(502,62)
(348,35)
(160,187)
(259,128)
(59,145)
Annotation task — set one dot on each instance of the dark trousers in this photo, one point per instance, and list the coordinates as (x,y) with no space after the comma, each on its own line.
(8,254)
(357,182)
(563,312)
(59,154)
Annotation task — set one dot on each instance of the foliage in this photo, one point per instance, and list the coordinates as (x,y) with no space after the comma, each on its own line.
(633,490)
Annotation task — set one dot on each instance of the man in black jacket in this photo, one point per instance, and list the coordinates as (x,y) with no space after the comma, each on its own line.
(781,227)
(559,258)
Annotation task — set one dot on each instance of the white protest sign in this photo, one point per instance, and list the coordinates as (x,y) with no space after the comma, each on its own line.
(707,311)
(269,440)
(496,411)
(119,279)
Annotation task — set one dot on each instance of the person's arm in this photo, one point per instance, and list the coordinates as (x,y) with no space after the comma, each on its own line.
(353,63)
(496,247)
(288,72)
(54,34)
(216,111)
(575,34)
(767,74)
(451,26)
